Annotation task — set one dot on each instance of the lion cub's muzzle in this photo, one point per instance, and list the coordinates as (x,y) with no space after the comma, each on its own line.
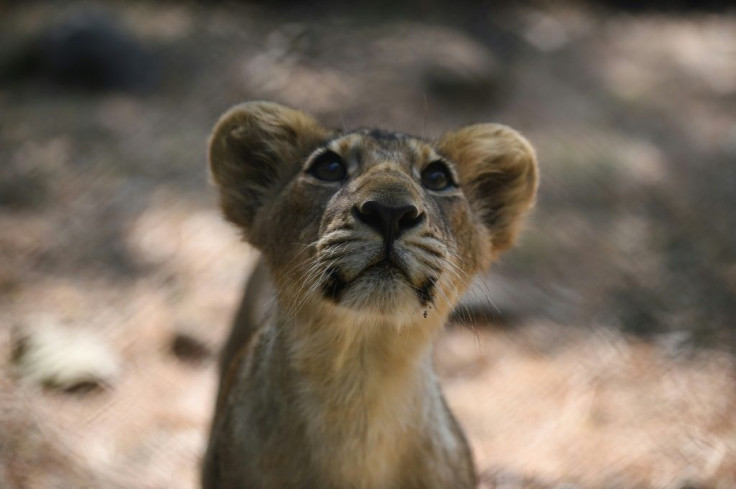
(381,253)
(389,221)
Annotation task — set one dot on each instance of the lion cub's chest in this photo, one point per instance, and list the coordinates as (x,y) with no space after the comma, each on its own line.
(361,414)
(367,460)
(360,443)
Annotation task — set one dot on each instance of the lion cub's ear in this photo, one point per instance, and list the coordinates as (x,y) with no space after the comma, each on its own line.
(254,150)
(498,173)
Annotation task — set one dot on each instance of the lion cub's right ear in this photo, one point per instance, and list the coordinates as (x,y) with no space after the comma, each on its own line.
(498,171)
(254,150)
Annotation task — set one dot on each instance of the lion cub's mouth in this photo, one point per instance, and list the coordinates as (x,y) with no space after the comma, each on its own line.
(363,273)
(382,273)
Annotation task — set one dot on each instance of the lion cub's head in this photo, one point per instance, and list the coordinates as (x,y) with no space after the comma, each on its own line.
(369,221)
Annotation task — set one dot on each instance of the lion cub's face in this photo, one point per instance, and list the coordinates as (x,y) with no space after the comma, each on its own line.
(387,210)
(374,222)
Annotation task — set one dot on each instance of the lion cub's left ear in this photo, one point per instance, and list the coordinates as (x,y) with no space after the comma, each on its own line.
(255,149)
(498,173)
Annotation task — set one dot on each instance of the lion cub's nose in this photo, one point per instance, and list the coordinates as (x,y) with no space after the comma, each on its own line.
(389,221)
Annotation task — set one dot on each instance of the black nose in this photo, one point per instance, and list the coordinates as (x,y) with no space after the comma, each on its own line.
(389,221)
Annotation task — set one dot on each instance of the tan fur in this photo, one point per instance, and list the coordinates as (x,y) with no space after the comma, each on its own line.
(336,388)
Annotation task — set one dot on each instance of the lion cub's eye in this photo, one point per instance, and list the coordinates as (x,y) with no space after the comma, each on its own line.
(437,176)
(329,167)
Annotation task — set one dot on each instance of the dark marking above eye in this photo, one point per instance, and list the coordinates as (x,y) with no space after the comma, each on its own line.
(328,166)
(381,135)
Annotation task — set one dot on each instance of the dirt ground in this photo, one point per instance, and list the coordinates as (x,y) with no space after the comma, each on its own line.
(605,359)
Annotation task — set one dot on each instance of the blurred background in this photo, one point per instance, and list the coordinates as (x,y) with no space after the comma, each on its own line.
(597,354)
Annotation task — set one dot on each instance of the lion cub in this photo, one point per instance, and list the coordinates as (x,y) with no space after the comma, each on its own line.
(370,238)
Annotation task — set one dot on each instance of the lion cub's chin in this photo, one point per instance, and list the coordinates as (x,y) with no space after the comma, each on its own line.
(386,291)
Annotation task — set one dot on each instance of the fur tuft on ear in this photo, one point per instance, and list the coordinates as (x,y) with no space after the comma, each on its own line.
(254,150)
(498,173)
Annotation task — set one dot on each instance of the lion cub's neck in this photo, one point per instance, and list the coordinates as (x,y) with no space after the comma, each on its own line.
(365,390)
(335,345)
